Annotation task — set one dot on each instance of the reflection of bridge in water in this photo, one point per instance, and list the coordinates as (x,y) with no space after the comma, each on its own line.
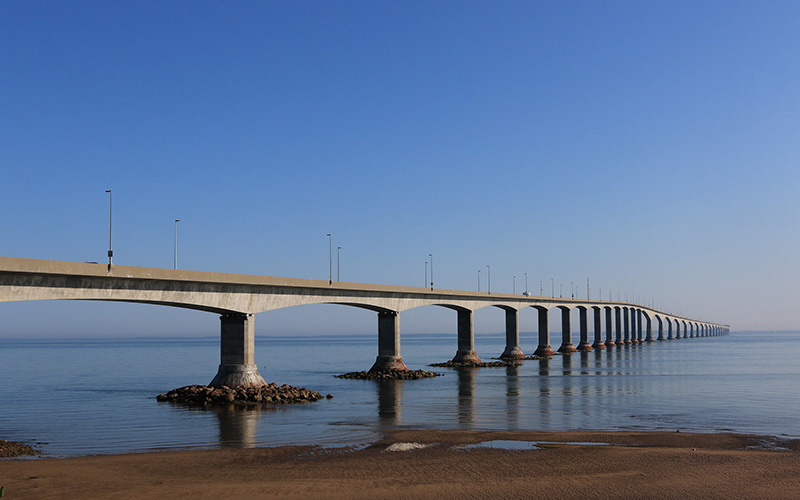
(238,298)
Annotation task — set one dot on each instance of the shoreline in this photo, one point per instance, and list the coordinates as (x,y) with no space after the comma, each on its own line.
(618,464)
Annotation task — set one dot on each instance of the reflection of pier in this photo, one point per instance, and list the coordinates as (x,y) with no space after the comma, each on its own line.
(466,395)
(237,426)
(390,396)
(512,395)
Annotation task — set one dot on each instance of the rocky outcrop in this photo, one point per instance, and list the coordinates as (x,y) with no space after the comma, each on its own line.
(203,395)
(10,449)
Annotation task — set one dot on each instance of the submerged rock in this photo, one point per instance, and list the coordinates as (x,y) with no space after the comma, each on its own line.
(203,395)
(390,375)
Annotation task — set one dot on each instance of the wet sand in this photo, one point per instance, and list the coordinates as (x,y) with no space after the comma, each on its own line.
(633,465)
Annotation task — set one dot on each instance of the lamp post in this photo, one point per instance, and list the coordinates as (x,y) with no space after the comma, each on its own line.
(588,297)
(425,283)
(514,289)
(488,279)
(479,280)
(175,257)
(330,259)
(338,249)
(552,288)
(430,255)
(526,283)
(110,251)
(572,288)
(541,288)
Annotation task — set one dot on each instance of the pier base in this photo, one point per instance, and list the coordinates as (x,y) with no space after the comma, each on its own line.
(568,347)
(466,356)
(512,352)
(237,376)
(389,363)
(544,350)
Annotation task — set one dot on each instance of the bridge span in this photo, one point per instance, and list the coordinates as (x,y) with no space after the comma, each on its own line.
(237,298)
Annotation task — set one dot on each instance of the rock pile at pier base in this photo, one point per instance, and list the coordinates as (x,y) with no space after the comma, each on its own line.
(390,375)
(482,364)
(272,393)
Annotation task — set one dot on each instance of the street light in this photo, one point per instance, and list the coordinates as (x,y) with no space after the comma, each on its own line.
(110,251)
(572,288)
(479,280)
(338,249)
(552,288)
(526,284)
(330,259)
(175,260)
(515,286)
(488,279)
(425,283)
(431,257)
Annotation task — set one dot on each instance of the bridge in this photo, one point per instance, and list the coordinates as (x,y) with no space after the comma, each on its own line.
(237,298)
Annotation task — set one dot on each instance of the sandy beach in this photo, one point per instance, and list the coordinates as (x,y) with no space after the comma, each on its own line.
(630,465)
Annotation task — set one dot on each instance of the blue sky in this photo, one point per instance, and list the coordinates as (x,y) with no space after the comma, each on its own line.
(650,146)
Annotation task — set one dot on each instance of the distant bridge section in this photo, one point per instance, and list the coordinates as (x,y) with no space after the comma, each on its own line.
(237,298)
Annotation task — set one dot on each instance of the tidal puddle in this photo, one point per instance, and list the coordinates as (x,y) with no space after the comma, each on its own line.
(503,444)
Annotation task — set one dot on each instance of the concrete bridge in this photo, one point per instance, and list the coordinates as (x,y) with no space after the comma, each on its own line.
(238,298)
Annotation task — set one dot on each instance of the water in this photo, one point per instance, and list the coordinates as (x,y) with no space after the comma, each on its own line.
(78,397)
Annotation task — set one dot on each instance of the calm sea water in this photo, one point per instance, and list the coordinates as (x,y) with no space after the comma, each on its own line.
(77,397)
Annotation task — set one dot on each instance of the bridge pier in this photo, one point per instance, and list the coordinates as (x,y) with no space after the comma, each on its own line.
(598,330)
(566,341)
(512,350)
(584,344)
(237,367)
(637,326)
(626,317)
(388,343)
(618,314)
(609,331)
(466,338)
(544,349)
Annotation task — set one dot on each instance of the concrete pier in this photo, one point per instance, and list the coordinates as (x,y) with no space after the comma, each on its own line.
(660,328)
(466,338)
(584,344)
(237,365)
(544,349)
(566,334)
(634,327)
(609,332)
(388,343)
(618,312)
(512,350)
(626,325)
(598,329)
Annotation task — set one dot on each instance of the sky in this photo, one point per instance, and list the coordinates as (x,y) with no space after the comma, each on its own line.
(651,147)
